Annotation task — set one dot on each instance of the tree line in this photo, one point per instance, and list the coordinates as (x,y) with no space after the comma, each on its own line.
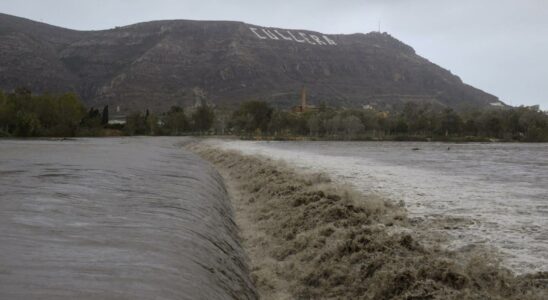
(174,122)
(413,122)
(23,114)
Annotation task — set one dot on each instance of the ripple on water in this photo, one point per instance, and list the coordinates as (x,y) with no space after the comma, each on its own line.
(115,219)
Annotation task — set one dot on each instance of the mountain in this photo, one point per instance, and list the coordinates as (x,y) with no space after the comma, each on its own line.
(159,64)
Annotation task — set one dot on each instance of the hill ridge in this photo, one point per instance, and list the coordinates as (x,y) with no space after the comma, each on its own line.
(158,64)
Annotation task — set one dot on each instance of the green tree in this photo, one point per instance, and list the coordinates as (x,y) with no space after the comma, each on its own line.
(105,116)
(400,126)
(334,125)
(352,126)
(203,117)
(314,125)
(91,123)
(280,123)
(3,114)
(46,106)
(135,124)
(369,120)
(176,121)
(70,112)
(25,114)
(533,124)
(221,122)
(151,124)
(450,123)
(27,124)
(491,124)
(252,115)
(470,127)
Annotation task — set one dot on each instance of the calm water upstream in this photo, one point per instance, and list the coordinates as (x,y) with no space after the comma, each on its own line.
(125,218)
(501,190)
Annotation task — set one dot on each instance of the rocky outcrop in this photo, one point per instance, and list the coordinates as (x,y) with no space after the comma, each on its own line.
(159,64)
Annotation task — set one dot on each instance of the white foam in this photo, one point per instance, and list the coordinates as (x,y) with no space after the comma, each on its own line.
(504,200)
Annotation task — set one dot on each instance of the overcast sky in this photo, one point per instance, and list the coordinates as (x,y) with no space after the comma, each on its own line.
(500,46)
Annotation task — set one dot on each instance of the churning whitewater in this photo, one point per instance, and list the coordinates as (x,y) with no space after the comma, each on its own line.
(486,195)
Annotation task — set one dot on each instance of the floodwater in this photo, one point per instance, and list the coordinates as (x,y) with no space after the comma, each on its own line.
(123,218)
(486,195)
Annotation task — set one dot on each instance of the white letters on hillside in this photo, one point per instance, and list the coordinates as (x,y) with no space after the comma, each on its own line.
(254,30)
(299,37)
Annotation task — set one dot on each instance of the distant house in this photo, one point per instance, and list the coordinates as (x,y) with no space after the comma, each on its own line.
(117,119)
(116,122)
(303,107)
(497,104)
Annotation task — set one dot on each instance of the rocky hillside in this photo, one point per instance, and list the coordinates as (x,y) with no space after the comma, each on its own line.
(159,64)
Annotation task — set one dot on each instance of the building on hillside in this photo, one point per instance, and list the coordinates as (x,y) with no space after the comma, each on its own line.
(497,104)
(303,107)
(117,119)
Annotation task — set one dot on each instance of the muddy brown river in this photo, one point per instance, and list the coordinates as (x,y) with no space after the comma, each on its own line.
(121,218)
(497,192)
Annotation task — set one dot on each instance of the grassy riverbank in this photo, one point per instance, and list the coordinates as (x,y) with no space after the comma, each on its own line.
(310,238)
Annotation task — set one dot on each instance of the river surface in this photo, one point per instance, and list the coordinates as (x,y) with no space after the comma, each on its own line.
(123,218)
(500,191)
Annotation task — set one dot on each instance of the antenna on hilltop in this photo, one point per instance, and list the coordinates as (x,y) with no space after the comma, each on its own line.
(379,26)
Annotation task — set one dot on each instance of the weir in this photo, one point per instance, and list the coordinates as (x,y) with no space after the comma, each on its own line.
(136,218)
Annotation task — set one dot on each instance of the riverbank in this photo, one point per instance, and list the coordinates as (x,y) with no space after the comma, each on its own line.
(106,133)
(310,238)
(390,138)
